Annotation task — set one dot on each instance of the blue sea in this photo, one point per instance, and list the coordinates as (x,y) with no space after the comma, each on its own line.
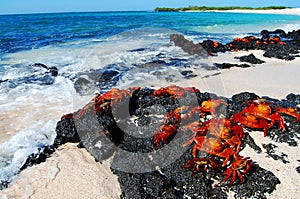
(32,101)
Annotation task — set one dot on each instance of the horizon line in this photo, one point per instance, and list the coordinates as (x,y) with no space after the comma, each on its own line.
(69,12)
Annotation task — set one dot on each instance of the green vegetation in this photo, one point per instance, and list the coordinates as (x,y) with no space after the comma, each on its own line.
(205,8)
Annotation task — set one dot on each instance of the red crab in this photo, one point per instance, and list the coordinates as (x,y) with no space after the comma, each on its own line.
(167,130)
(257,114)
(212,146)
(251,121)
(209,106)
(240,164)
(222,129)
(215,44)
(112,97)
(174,91)
(67,116)
(226,131)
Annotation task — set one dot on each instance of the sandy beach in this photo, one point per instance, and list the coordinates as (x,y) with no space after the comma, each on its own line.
(69,173)
(73,173)
(275,78)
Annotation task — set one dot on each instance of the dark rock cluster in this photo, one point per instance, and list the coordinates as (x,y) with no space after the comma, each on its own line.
(229,65)
(271,149)
(276,44)
(126,130)
(250,59)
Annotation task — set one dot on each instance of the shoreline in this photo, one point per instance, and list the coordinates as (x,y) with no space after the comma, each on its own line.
(70,171)
(287,11)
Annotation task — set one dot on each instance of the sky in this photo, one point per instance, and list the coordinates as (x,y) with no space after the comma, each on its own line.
(48,6)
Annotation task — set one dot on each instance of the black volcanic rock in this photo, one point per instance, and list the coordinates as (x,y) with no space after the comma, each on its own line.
(229,65)
(65,132)
(188,46)
(37,158)
(278,32)
(250,59)
(277,44)
(53,70)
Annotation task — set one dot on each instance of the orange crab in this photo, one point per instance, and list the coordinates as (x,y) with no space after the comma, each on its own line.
(222,129)
(227,132)
(112,97)
(212,146)
(257,114)
(215,44)
(174,91)
(167,130)
(209,106)
(234,170)
(251,121)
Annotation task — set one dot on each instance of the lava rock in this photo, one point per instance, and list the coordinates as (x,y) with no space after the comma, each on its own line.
(147,185)
(276,44)
(188,46)
(109,77)
(228,65)
(294,99)
(53,70)
(239,101)
(126,130)
(4,184)
(86,83)
(250,59)
(281,52)
(295,35)
(258,183)
(270,150)
(65,132)
(214,47)
(278,32)
(37,158)
(188,74)
(5,80)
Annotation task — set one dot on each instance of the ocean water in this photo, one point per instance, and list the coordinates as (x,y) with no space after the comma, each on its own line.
(133,44)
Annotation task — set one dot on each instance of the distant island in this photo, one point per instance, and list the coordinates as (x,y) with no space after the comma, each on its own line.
(206,8)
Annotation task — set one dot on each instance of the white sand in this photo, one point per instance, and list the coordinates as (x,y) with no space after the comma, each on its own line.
(69,173)
(288,11)
(276,78)
(286,173)
(73,173)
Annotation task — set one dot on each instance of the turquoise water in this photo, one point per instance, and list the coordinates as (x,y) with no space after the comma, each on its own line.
(24,32)
(32,101)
